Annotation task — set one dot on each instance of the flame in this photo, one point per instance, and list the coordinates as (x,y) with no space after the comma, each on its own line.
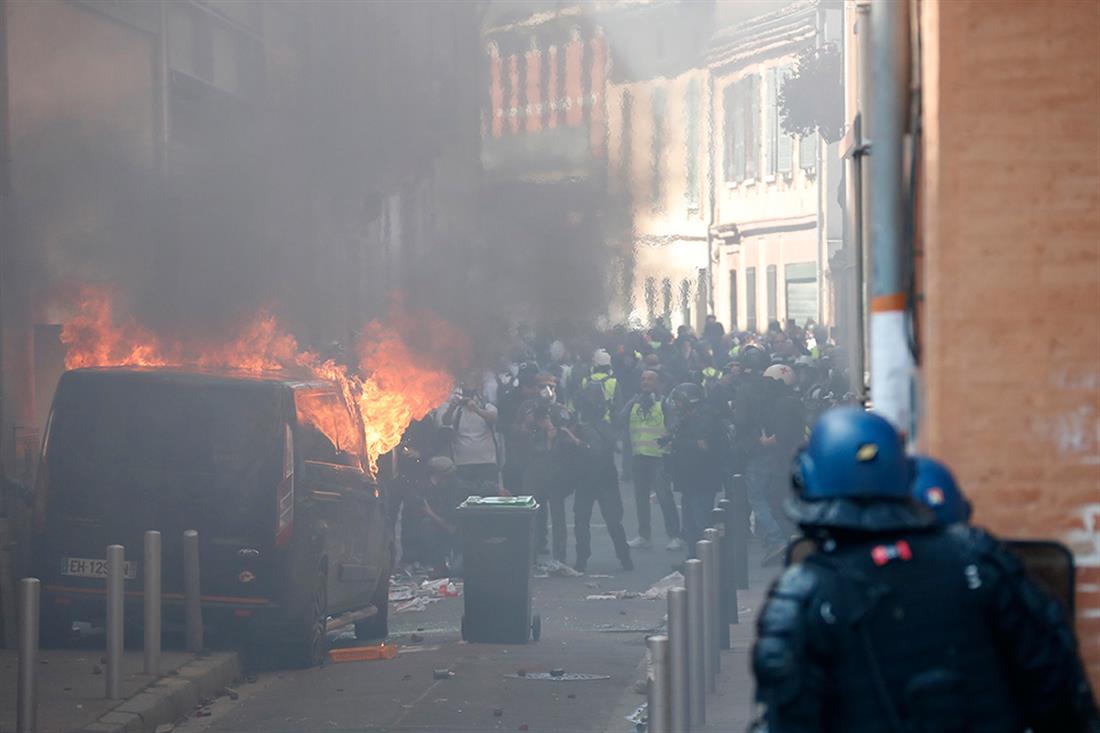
(393,384)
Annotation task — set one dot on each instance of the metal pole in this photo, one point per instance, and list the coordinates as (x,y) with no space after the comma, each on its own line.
(679,714)
(729,567)
(739,530)
(27,695)
(704,550)
(718,522)
(715,581)
(861,166)
(192,605)
(891,359)
(116,575)
(151,595)
(693,581)
(658,718)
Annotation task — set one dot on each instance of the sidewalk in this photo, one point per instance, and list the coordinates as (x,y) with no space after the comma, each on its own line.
(71,692)
(730,709)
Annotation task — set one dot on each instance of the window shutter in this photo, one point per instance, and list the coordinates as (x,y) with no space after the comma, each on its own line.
(807,152)
(691,140)
(738,147)
(752,145)
(771,124)
(785,144)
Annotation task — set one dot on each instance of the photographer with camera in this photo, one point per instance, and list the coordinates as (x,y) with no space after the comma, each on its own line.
(538,423)
(473,442)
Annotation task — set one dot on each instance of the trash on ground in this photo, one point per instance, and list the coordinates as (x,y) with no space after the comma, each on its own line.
(363,653)
(165,728)
(640,716)
(416,604)
(231,693)
(600,575)
(659,590)
(442,674)
(415,649)
(564,677)
(556,568)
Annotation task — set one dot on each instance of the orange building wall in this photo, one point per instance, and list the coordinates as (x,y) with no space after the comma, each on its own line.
(1011,219)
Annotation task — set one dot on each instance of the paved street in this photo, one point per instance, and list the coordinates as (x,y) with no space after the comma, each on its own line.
(578,636)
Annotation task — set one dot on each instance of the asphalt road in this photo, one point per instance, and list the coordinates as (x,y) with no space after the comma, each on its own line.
(598,637)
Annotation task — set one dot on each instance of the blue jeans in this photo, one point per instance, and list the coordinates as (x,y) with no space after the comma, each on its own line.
(758,476)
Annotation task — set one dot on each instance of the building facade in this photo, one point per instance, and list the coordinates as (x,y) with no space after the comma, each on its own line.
(777,218)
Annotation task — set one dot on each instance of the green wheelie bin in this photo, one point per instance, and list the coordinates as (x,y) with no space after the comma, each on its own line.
(498,558)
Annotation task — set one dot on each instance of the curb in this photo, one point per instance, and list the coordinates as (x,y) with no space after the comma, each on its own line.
(172,697)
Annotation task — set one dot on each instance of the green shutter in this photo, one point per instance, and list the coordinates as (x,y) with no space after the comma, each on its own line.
(785,144)
(752,142)
(771,123)
(807,152)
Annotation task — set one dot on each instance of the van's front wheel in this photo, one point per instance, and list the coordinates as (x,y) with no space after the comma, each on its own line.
(307,646)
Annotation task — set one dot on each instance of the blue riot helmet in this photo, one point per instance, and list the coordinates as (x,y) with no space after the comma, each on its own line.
(935,487)
(854,473)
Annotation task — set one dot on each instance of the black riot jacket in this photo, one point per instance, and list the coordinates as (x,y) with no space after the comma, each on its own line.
(916,631)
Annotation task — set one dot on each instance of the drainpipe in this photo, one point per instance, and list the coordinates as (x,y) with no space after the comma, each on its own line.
(885,123)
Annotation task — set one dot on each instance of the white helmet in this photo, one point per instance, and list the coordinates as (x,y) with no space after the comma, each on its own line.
(601,358)
(782,372)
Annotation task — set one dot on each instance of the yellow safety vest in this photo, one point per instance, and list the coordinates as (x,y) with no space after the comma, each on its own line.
(608,383)
(646,429)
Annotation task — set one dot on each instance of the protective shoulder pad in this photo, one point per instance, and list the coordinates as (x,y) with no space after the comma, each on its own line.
(780,656)
(983,547)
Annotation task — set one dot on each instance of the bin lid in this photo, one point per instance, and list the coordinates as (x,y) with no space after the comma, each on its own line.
(499,502)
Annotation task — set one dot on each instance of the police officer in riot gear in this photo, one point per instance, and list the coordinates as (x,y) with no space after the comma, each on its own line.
(697,445)
(934,486)
(897,624)
(590,448)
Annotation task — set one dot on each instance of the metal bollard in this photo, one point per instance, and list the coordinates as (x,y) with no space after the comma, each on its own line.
(718,521)
(26,720)
(693,581)
(192,603)
(715,581)
(729,572)
(704,549)
(116,576)
(151,602)
(658,718)
(739,529)
(678,701)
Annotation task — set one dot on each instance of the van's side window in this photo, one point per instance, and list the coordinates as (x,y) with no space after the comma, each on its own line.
(328,431)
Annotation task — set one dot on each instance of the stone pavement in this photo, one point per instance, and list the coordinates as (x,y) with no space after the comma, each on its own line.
(71,691)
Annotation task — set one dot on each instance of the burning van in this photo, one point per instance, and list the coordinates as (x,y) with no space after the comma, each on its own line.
(293,531)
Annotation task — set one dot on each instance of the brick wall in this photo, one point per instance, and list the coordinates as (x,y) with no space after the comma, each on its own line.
(1011,219)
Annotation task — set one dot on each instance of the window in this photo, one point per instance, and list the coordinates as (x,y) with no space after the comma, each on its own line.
(750,298)
(691,138)
(773,296)
(771,123)
(801,281)
(742,143)
(666,298)
(685,301)
(785,143)
(656,190)
(650,299)
(626,151)
(807,152)
(733,300)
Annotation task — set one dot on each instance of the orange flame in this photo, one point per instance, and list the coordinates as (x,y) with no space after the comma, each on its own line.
(393,385)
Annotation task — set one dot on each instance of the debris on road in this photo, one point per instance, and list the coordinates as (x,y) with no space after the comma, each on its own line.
(555,568)
(415,592)
(657,592)
(442,674)
(231,693)
(563,677)
(363,653)
(165,728)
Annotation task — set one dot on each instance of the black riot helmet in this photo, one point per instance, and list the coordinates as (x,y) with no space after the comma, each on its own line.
(686,397)
(753,358)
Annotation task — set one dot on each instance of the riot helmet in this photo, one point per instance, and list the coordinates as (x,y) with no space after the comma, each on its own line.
(935,487)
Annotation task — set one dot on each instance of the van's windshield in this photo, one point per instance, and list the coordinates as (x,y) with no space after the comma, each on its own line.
(172,453)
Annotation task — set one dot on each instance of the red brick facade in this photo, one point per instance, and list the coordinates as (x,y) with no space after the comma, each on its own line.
(1011,221)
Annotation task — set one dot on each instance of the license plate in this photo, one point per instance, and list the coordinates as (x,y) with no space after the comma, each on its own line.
(86,567)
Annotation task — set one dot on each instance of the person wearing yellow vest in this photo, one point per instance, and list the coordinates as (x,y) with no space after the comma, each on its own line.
(645,419)
(601,375)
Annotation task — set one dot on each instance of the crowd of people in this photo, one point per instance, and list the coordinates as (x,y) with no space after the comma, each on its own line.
(666,413)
